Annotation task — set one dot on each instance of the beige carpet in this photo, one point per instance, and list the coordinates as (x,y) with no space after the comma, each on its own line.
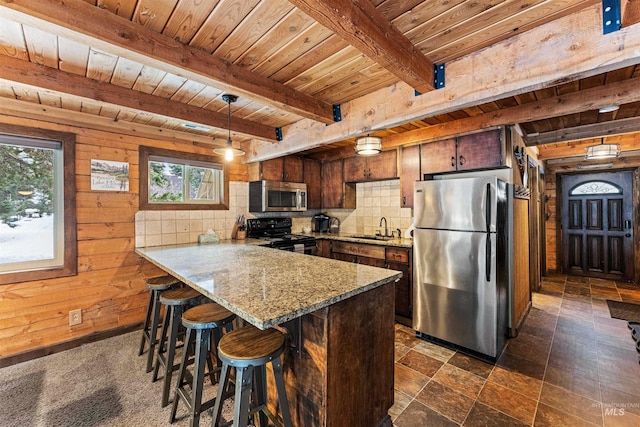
(98,384)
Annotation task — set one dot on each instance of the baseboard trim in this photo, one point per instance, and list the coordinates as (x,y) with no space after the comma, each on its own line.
(66,345)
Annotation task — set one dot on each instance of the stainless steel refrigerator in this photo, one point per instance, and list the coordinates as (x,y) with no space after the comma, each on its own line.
(463,263)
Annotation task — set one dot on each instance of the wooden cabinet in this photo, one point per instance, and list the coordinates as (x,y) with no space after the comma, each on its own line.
(400,259)
(409,173)
(312,177)
(323,248)
(439,156)
(483,150)
(336,193)
(395,258)
(289,169)
(371,168)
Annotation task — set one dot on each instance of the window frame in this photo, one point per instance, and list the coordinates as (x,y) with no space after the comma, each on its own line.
(70,257)
(146,152)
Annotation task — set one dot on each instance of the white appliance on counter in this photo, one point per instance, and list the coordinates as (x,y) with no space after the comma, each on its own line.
(463,262)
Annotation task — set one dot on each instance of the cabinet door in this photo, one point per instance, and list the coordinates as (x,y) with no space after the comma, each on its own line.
(355,169)
(438,157)
(324,248)
(293,169)
(383,166)
(344,257)
(403,289)
(332,192)
(410,172)
(314,183)
(272,169)
(373,262)
(480,150)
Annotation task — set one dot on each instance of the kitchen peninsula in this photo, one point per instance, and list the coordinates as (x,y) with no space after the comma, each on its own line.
(340,316)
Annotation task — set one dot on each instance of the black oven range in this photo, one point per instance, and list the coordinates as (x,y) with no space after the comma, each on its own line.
(276,232)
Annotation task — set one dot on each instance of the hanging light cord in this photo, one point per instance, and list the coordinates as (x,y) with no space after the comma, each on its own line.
(229,121)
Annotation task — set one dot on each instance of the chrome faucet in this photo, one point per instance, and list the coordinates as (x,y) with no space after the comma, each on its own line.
(386,230)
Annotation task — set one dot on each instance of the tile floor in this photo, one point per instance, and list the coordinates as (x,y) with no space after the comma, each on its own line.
(571,365)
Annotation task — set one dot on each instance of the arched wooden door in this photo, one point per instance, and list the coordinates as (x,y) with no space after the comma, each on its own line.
(597,225)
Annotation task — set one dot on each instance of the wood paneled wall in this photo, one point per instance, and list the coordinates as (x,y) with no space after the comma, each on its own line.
(110,285)
(629,160)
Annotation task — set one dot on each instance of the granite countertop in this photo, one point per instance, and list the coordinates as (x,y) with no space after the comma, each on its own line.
(349,237)
(265,286)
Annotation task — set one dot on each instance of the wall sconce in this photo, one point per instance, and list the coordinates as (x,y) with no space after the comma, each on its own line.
(368,145)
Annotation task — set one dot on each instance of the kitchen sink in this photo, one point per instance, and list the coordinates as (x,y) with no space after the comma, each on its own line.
(371,237)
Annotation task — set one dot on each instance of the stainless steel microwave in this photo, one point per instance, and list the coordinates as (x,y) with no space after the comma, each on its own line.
(276,196)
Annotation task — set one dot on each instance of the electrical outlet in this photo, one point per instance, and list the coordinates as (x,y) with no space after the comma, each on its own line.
(75,317)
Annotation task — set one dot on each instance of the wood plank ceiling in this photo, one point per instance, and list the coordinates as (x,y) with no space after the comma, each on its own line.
(166,63)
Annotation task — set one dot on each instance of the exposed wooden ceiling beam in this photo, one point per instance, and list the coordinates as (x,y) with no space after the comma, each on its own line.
(361,25)
(622,92)
(596,130)
(77,20)
(628,143)
(630,12)
(474,79)
(41,76)
(22,110)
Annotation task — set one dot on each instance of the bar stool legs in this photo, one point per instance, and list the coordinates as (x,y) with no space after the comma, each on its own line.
(249,350)
(156,286)
(203,324)
(175,301)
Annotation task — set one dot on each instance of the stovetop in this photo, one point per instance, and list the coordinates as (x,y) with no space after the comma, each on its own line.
(277,232)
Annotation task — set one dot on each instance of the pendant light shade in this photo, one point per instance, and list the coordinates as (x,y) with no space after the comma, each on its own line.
(602,151)
(229,152)
(368,145)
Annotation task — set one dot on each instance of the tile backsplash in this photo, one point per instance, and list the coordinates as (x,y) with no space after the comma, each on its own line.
(374,200)
(170,227)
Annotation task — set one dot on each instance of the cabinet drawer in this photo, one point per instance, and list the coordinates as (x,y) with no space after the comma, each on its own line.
(397,255)
(370,251)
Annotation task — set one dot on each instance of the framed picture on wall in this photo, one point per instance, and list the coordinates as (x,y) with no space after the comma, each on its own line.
(107,175)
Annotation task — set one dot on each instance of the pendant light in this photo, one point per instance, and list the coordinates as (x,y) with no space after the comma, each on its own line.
(602,151)
(368,145)
(229,152)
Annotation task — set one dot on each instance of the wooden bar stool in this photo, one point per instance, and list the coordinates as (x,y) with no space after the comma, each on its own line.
(202,322)
(175,300)
(249,350)
(156,286)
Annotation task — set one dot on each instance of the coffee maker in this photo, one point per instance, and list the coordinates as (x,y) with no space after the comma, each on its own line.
(320,223)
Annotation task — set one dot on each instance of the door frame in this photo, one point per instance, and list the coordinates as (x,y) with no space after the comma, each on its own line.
(635,206)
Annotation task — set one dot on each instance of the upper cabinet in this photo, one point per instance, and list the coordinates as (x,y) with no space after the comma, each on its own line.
(313,179)
(289,169)
(409,173)
(483,150)
(439,156)
(371,168)
(336,193)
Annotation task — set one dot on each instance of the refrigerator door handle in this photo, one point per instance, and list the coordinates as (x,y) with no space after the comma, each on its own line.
(487,207)
(487,267)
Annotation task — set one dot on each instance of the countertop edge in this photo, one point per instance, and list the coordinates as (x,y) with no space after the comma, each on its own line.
(344,237)
(276,320)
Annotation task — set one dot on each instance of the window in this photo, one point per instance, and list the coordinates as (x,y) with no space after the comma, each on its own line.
(37,205)
(177,180)
(595,187)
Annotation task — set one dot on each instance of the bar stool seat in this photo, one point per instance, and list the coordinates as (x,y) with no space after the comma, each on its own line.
(156,286)
(203,322)
(249,350)
(175,300)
